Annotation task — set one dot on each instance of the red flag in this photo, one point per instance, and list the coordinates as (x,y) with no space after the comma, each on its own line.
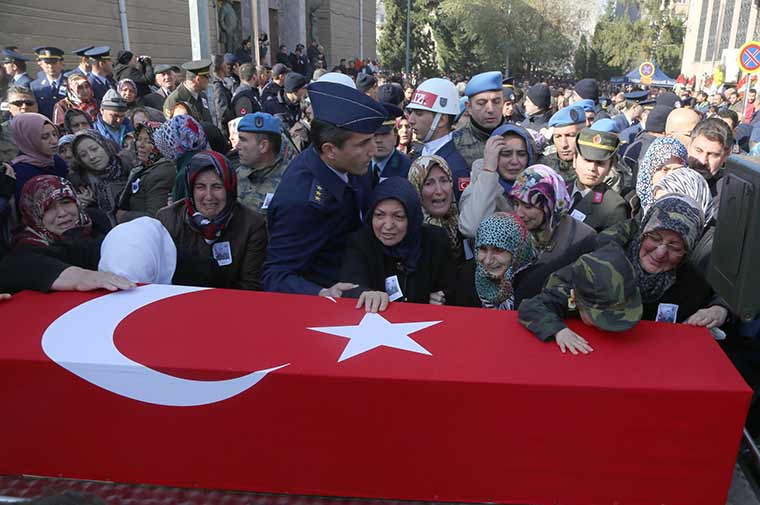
(306,395)
(680,79)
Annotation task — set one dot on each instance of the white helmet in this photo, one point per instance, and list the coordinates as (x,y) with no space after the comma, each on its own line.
(436,95)
(338,78)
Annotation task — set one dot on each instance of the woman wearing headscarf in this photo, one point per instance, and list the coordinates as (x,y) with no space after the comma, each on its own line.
(37,140)
(212,224)
(508,151)
(431,177)
(658,248)
(539,196)
(79,96)
(75,120)
(395,256)
(179,139)
(689,182)
(64,148)
(149,184)
(664,155)
(128,91)
(404,135)
(99,167)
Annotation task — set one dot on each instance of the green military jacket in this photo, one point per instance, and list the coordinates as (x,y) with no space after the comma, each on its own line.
(543,314)
(182,94)
(600,208)
(256,187)
(470,141)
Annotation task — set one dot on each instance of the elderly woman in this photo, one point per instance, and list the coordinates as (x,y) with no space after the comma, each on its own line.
(664,155)
(395,256)
(99,168)
(431,177)
(600,288)
(540,198)
(658,248)
(79,96)
(74,121)
(211,223)
(149,184)
(37,140)
(179,139)
(508,151)
(135,106)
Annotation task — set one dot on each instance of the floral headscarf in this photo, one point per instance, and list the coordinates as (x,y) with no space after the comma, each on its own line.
(506,231)
(409,249)
(542,187)
(211,229)
(418,174)
(27,130)
(660,152)
(37,196)
(679,214)
(179,135)
(689,182)
(76,84)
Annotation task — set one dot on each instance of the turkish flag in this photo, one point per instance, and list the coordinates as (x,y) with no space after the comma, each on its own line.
(296,394)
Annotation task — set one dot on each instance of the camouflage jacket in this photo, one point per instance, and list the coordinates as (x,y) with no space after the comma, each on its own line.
(543,314)
(470,141)
(256,187)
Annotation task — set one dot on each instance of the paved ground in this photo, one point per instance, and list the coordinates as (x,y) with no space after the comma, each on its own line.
(741,492)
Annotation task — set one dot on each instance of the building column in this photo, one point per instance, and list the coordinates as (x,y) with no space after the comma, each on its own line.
(199,28)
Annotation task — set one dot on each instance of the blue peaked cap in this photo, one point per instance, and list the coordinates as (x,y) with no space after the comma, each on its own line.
(345,107)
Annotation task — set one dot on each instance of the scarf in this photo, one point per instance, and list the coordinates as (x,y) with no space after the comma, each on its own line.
(540,186)
(679,214)
(37,196)
(502,131)
(26,130)
(212,228)
(418,174)
(100,183)
(506,231)
(689,182)
(660,152)
(179,135)
(77,84)
(69,115)
(407,251)
(150,128)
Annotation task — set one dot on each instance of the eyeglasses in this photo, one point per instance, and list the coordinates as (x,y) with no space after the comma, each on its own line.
(19,103)
(674,248)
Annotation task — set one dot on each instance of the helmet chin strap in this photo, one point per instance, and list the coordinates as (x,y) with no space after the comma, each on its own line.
(433,127)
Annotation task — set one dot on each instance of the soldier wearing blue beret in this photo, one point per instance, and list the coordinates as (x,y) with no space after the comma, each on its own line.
(50,87)
(484,105)
(565,125)
(15,67)
(321,197)
(84,67)
(101,71)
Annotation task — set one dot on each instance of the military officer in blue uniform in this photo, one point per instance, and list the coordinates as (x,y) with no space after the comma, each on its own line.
(319,200)
(50,87)
(15,67)
(632,113)
(101,72)
(387,160)
(84,62)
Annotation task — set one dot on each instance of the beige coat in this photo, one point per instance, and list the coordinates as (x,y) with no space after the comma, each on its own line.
(480,199)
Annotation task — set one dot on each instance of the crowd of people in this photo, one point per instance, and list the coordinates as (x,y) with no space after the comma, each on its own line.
(551,198)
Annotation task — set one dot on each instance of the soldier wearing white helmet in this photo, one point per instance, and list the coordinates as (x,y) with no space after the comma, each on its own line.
(431,112)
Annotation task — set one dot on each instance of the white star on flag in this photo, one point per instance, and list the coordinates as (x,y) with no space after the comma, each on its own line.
(374,331)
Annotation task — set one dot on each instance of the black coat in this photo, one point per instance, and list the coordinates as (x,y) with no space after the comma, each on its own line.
(364,264)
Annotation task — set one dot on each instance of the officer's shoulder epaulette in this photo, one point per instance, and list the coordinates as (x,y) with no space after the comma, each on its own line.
(317,193)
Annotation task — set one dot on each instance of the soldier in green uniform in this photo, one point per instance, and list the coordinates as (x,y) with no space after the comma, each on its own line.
(484,104)
(565,125)
(592,200)
(261,160)
(600,288)
(192,90)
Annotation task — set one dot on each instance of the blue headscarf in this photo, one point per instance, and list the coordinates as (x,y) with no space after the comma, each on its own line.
(409,249)
(522,133)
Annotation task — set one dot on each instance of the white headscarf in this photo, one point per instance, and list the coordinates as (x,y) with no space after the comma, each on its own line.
(140,250)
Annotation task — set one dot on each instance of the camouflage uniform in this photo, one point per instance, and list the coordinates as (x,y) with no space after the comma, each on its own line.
(604,286)
(562,167)
(255,185)
(470,141)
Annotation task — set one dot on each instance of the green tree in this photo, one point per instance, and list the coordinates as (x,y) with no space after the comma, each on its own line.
(391,46)
(582,55)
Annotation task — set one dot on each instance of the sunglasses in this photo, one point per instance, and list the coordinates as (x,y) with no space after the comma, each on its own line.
(19,103)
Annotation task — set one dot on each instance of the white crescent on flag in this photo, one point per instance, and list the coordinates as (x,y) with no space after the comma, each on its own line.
(82,342)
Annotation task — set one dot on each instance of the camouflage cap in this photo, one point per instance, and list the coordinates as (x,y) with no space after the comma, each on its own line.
(596,145)
(605,288)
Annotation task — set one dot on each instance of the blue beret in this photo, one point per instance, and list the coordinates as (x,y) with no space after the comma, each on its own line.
(260,122)
(570,115)
(606,125)
(487,81)
(588,105)
(345,107)
(462,106)
(230,59)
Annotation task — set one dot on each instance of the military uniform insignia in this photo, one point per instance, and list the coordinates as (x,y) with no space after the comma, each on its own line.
(316,194)
(259,122)
(598,196)
(135,186)
(597,139)
(462,183)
